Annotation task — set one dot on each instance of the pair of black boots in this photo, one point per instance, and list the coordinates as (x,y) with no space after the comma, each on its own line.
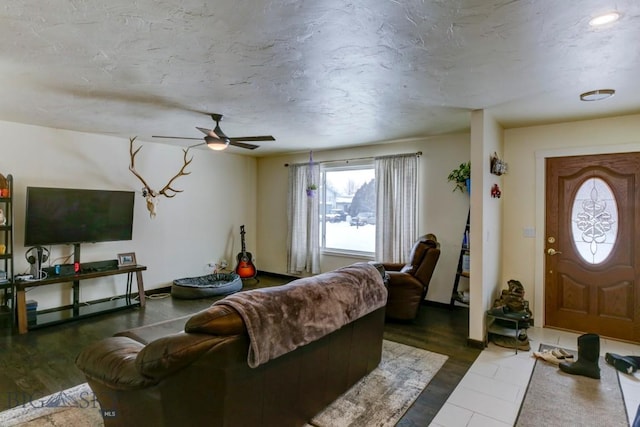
(588,356)
(626,364)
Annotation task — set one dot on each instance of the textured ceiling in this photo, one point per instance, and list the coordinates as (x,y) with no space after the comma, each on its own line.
(314,74)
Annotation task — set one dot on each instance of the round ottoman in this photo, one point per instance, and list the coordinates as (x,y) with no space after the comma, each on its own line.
(206,286)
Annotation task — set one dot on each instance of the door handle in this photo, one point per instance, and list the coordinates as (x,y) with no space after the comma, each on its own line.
(552,251)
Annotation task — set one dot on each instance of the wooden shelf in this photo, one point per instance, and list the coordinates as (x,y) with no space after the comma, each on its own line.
(79,310)
(89,309)
(7,289)
(22,285)
(458,299)
(501,330)
(463,267)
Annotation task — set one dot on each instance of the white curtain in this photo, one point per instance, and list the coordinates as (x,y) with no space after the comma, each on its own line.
(303,243)
(396,210)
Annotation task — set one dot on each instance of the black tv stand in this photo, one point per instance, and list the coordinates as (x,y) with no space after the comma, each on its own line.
(79,310)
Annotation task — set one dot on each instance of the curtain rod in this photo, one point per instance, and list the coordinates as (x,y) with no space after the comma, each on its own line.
(417,154)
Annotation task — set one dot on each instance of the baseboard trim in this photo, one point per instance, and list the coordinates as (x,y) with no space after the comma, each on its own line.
(163,290)
(476,344)
(167,289)
(277,275)
(443,305)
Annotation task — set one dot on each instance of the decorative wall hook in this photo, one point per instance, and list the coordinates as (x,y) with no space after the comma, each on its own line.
(495,191)
(498,166)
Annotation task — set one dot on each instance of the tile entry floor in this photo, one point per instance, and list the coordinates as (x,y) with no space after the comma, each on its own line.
(492,390)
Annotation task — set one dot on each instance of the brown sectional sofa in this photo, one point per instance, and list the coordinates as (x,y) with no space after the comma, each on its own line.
(195,370)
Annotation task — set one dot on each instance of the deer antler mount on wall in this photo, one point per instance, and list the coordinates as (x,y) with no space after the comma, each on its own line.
(151,195)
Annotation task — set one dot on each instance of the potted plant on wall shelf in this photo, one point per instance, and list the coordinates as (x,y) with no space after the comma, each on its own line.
(461,177)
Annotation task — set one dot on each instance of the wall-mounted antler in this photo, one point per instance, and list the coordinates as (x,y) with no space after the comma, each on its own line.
(148,193)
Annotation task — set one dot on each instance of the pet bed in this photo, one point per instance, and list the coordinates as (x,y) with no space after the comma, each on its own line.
(206,286)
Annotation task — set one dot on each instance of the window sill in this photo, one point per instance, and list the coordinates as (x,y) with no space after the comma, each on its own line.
(368,256)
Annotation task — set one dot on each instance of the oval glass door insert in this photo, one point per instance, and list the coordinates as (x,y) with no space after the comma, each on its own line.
(595,220)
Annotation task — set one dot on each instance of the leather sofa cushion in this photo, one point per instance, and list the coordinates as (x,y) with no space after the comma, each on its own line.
(112,362)
(418,253)
(167,355)
(428,265)
(415,258)
(149,333)
(216,320)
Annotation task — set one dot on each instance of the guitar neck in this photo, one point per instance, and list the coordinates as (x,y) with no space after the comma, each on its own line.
(244,248)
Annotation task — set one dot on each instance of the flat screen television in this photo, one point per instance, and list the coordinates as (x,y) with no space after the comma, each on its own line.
(69,216)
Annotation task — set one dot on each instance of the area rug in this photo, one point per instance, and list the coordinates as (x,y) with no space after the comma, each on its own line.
(380,399)
(556,398)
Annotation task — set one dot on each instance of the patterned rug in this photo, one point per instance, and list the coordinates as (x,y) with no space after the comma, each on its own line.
(380,399)
(560,399)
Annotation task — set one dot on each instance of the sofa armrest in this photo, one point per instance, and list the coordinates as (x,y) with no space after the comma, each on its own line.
(169,354)
(111,361)
(404,281)
(216,320)
(149,333)
(393,266)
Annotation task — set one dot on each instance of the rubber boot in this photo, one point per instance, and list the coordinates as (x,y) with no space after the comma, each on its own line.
(588,355)
(626,364)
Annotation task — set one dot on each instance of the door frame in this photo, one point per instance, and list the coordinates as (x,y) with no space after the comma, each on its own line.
(540,203)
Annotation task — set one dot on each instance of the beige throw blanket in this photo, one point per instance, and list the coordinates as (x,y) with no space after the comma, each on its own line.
(283,318)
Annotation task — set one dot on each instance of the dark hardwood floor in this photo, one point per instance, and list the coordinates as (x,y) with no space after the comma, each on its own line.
(41,362)
(444,331)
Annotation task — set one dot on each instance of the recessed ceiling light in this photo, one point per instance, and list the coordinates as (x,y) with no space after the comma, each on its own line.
(605,19)
(597,95)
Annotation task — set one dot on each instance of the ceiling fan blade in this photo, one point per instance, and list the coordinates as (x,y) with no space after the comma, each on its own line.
(216,137)
(243,145)
(206,131)
(253,138)
(197,145)
(173,137)
(214,133)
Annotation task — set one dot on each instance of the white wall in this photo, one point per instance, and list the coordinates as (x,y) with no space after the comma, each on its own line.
(486,221)
(441,211)
(195,227)
(525,150)
(225,191)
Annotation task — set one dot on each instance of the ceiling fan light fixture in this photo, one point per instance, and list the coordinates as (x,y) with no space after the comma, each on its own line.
(604,19)
(217,133)
(597,95)
(216,144)
(216,139)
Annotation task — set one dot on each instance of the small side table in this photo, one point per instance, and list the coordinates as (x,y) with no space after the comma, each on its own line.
(518,321)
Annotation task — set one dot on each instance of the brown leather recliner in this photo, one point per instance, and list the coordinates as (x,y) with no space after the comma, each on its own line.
(408,283)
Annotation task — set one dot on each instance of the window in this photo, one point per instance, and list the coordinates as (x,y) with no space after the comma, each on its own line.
(595,220)
(348,209)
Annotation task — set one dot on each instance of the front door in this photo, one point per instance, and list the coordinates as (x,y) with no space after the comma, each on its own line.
(592,256)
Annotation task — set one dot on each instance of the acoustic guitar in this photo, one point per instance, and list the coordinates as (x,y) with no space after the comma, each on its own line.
(245,268)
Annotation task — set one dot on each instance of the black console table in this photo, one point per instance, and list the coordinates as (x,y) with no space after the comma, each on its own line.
(79,310)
